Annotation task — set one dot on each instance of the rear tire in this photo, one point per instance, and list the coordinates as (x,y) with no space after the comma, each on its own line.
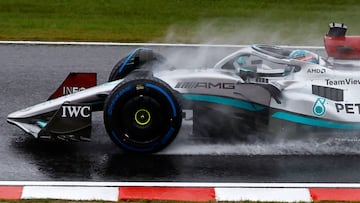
(142,115)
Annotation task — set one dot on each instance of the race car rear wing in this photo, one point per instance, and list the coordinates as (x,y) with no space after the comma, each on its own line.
(339,46)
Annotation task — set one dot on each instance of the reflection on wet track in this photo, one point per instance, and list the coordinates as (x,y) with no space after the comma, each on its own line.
(30,73)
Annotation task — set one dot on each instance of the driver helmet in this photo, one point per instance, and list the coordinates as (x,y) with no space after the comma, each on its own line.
(241,60)
(304,55)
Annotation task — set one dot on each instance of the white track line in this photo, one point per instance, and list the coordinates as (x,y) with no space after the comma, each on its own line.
(180,184)
(70,193)
(142,44)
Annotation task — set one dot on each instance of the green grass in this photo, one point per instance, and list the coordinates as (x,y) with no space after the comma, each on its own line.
(174,21)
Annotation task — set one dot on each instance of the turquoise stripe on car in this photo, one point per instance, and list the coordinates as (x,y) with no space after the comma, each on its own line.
(315,122)
(41,123)
(224,101)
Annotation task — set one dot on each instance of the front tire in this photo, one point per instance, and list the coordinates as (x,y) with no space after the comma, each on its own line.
(142,115)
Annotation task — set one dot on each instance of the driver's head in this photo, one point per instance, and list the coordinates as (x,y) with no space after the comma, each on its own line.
(241,60)
(304,55)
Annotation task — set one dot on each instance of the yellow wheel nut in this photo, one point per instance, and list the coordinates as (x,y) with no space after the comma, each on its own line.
(142,117)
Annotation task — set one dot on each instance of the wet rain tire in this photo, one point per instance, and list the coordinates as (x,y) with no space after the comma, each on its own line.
(142,115)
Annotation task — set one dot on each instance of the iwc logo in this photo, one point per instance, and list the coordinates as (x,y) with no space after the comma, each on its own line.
(319,108)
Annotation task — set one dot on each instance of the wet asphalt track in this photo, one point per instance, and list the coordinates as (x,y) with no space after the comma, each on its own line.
(29,74)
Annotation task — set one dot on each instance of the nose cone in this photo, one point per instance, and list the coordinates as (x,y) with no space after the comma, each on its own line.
(14,115)
(34,111)
(18,117)
(24,113)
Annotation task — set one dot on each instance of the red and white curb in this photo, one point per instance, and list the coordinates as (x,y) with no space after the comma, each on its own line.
(200,192)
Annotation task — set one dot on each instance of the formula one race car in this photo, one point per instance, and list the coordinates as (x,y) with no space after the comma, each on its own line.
(260,87)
